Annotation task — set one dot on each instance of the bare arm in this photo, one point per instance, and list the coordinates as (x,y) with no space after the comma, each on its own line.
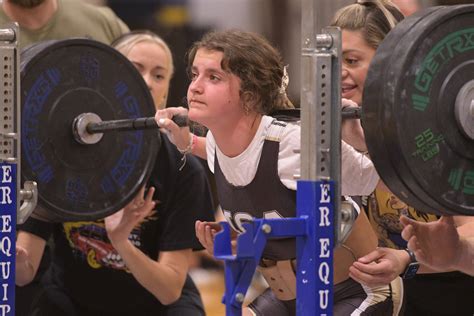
(29,251)
(163,278)
(466,262)
(199,148)
(465,225)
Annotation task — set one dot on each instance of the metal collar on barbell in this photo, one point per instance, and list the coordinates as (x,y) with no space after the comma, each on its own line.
(464,109)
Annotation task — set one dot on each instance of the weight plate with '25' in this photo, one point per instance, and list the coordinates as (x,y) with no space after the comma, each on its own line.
(418,110)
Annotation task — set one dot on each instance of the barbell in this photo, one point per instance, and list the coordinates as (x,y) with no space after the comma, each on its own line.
(89,138)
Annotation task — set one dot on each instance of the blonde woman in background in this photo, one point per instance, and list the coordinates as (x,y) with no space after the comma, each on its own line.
(153,59)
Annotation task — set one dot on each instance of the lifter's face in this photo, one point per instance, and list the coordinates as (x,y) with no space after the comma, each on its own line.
(356,58)
(153,63)
(214,93)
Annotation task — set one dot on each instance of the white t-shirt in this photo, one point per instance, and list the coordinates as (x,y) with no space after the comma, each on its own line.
(358,173)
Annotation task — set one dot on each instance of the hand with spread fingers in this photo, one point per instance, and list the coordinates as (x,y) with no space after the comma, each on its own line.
(439,245)
(379,267)
(120,224)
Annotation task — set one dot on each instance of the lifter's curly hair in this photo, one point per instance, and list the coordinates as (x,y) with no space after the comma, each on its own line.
(255,61)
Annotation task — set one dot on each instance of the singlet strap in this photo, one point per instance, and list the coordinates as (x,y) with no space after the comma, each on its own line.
(275,130)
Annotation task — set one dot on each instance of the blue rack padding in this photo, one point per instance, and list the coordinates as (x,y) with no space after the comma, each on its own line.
(314,273)
(8,207)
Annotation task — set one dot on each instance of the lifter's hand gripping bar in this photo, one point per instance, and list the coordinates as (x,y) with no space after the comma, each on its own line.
(349,112)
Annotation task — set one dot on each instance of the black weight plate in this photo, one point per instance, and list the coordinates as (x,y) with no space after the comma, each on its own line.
(59,81)
(432,151)
(399,182)
(427,68)
(375,110)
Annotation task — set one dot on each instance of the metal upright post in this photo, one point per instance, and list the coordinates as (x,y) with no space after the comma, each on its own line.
(318,193)
(9,164)
(320,100)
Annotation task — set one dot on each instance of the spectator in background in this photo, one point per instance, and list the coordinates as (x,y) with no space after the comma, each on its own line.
(407,7)
(153,59)
(42,20)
